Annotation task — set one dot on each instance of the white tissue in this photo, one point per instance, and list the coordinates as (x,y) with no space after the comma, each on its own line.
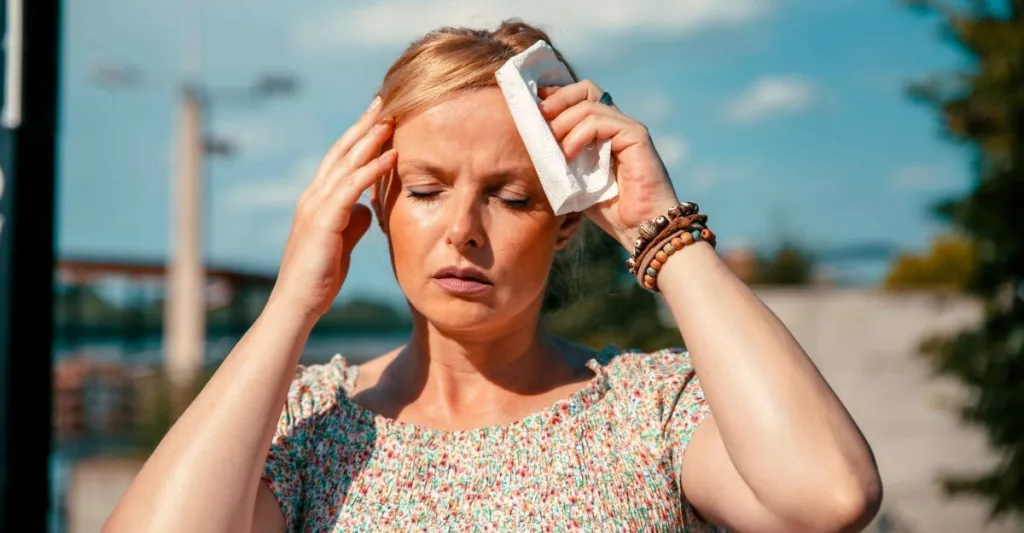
(570,186)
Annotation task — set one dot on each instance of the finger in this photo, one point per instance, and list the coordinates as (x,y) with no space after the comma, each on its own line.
(547,90)
(622,132)
(350,137)
(347,192)
(361,153)
(565,97)
(359,220)
(570,118)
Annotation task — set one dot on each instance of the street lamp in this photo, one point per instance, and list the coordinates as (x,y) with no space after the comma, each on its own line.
(185,306)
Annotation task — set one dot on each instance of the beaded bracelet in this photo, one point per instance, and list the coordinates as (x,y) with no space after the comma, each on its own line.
(663,236)
(650,230)
(658,254)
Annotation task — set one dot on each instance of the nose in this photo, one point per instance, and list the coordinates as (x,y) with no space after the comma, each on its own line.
(465,222)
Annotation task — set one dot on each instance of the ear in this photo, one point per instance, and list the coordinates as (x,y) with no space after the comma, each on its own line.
(571,224)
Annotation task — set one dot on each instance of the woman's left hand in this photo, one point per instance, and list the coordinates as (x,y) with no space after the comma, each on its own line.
(645,191)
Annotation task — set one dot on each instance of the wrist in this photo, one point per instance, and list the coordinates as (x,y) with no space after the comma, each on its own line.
(688,263)
(628,234)
(659,239)
(627,237)
(288,313)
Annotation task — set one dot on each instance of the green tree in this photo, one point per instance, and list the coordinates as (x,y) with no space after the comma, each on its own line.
(947,266)
(982,107)
(364,315)
(790,264)
(592,300)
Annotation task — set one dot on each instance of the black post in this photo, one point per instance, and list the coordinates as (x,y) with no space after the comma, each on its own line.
(28,160)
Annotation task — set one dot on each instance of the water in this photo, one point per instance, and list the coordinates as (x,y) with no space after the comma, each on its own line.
(147,351)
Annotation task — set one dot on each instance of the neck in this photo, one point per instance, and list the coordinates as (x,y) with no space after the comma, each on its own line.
(471,371)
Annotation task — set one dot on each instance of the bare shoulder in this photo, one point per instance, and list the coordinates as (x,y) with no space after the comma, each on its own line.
(369,373)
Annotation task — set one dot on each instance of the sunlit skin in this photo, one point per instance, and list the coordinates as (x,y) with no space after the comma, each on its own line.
(778,453)
(469,196)
(465,195)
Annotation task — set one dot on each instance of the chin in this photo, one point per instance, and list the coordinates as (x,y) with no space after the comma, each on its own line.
(454,314)
(472,313)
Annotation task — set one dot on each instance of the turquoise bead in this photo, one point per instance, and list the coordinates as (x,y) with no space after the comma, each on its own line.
(696,234)
(651,272)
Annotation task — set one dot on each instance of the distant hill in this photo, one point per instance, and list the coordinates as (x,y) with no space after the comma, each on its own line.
(83,312)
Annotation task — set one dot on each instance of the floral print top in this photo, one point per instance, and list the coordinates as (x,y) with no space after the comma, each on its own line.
(607,458)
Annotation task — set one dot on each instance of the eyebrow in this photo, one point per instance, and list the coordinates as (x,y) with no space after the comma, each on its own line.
(506,174)
(425,167)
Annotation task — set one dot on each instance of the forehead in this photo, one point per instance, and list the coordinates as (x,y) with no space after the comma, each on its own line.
(474,127)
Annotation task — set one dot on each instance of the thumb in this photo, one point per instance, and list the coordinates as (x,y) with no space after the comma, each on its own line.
(358,222)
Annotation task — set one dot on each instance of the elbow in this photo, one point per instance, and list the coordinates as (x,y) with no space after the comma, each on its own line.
(848,507)
(856,508)
(832,505)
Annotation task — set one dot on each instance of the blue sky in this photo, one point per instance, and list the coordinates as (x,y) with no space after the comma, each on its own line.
(775,115)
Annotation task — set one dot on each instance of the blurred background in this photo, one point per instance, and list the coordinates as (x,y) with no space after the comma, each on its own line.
(861,162)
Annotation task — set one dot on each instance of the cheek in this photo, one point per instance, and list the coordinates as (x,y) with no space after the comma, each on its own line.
(413,231)
(524,247)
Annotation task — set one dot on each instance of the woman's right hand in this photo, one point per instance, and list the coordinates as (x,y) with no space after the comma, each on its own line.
(328,220)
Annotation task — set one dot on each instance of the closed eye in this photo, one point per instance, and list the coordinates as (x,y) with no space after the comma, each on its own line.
(515,203)
(433,196)
(424,195)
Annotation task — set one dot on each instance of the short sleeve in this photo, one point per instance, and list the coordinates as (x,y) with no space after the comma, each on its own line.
(685,405)
(671,407)
(685,408)
(313,393)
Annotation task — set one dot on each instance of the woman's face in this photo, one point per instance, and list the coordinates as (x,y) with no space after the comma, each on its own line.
(472,234)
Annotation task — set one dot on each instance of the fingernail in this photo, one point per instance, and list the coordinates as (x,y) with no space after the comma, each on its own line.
(374,104)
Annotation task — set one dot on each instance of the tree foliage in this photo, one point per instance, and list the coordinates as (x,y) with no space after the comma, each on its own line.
(592,300)
(947,266)
(789,264)
(982,107)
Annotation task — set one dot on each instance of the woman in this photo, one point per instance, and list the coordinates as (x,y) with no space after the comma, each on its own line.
(482,421)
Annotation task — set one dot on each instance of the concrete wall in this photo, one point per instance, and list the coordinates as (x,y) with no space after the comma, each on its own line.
(865,344)
(94,488)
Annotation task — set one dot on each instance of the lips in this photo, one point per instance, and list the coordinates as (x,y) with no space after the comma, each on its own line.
(464,273)
(462,280)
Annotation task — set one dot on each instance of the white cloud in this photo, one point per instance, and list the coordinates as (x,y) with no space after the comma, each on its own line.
(707,176)
(651,107)
(251,135)
(769,96)
(672,149)
(922,177)
(397,22)
(274,194)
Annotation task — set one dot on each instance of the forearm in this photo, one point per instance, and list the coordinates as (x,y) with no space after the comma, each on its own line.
(787,434)
(204,474)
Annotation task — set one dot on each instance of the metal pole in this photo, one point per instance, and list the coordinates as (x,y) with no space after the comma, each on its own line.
(28,150)
(185,315)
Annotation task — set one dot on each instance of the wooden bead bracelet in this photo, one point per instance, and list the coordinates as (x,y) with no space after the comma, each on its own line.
(682,226)
(651,229)
(658,254)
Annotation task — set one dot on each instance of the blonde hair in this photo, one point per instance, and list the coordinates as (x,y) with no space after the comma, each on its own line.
(444,63)
(449,60)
